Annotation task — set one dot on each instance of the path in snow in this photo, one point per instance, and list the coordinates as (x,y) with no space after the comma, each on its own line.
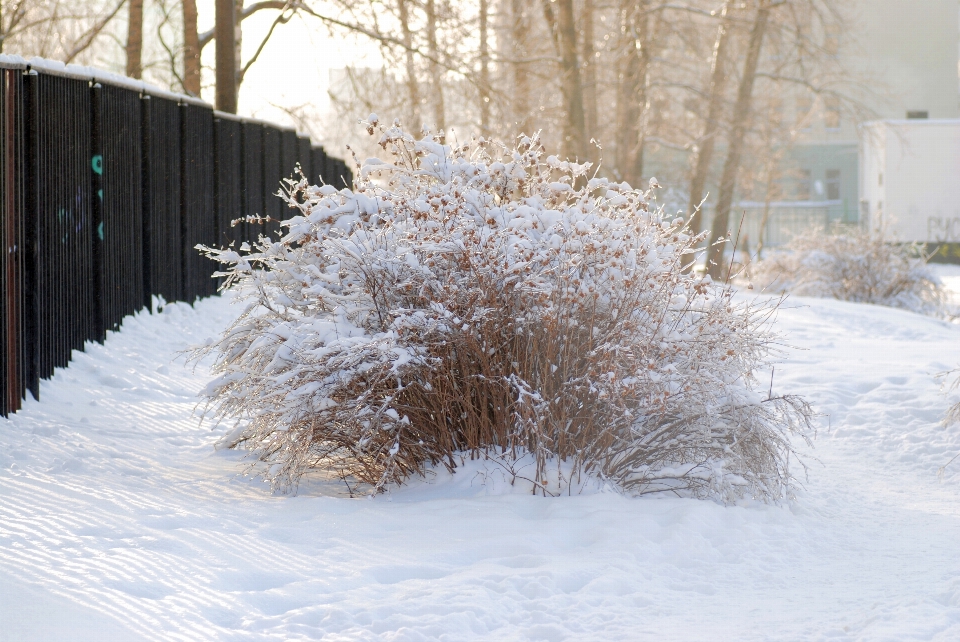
(117,515)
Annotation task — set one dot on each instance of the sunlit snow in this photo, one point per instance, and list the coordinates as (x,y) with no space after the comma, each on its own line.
(120,520)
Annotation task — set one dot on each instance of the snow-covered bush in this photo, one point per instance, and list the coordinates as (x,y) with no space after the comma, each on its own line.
(862,266)
(479,299)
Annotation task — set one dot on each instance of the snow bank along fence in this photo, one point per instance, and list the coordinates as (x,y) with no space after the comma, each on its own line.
(106,186)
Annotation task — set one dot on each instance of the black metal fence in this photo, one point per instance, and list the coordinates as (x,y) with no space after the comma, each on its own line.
(105,190)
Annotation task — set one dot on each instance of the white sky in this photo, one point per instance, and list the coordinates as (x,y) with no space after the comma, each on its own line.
(293,69)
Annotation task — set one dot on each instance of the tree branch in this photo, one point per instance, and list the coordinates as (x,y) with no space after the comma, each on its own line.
(87,39)
(209,36)
(282,18)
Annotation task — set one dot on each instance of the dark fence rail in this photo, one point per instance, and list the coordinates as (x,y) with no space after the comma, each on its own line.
(105,190)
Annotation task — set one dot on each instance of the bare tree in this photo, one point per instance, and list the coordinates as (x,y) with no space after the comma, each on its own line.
(589,77)
(228,26)
(564,35)
(635,56)
(436,73)
(519,32)
(738,132)
(703,152)
(413,88)
(484,69)
(665,66)
(65,30)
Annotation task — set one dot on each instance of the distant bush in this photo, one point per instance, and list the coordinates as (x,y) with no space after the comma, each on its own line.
(481,299)
(861,266)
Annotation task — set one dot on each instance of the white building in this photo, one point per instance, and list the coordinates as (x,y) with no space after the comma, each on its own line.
(910,178)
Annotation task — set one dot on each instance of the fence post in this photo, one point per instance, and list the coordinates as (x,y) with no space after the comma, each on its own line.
(31,243)
(96,230)
(186,283)
(11,370)
(146,190)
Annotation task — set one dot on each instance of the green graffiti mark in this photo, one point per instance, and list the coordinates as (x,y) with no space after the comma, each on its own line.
(98,164)
(100,194)
(100,231)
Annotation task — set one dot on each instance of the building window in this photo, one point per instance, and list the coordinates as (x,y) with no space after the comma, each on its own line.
(918,115)
(804,185)
(831,117)
(833,184)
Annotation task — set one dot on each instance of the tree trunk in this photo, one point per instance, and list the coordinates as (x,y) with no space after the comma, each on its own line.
(711,126)
(574,144)
(521,82)
(484,71)
(589,82)
(632,89)
(436,73)
(738,132)
(135,40)
(773,171)
(238,42)
(628,118)
(413,90)
(646,53)
(226,30)
(191,49)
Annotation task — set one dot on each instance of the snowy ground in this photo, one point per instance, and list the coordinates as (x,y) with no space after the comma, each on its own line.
(119,520)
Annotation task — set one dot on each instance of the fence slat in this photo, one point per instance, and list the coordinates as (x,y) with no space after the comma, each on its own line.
(64,183)
(121,203)
(197,193)
(305,158)
(162,199)
(31,241)
(272,172)
(253,192)
(228,165)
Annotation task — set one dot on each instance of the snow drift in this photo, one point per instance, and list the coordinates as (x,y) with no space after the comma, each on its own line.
(479,299)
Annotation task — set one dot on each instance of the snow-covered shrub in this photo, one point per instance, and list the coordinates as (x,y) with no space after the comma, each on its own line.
(862,266)
(479,299)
